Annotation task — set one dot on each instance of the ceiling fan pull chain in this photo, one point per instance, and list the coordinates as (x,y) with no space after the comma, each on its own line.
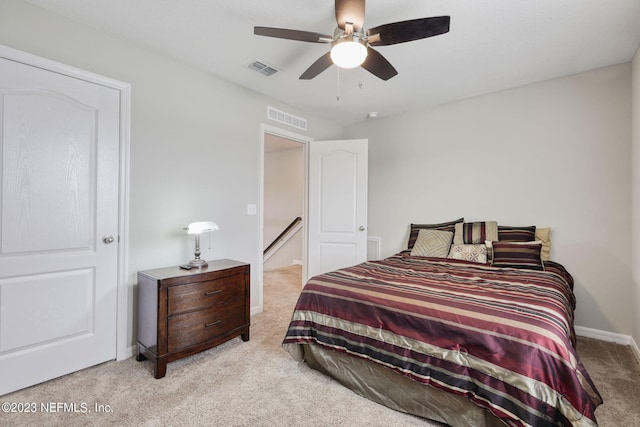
(338,85)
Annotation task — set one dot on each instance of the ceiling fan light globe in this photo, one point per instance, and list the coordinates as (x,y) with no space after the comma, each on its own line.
(348,53)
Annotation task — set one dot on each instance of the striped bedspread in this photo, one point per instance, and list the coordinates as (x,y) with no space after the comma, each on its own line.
(501,337)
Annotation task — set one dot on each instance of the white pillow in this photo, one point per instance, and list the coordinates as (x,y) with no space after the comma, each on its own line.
(474,253)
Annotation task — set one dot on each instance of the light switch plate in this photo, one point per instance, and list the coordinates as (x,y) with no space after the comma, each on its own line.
(252,209)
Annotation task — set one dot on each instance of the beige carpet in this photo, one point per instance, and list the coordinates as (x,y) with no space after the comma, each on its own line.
(258,384)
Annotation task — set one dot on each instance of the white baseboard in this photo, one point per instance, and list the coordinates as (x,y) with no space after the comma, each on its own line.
(603,335)
(610,337)
(127,353)
(374,244)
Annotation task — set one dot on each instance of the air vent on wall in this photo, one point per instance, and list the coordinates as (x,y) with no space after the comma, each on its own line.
(263,68)
(286,118)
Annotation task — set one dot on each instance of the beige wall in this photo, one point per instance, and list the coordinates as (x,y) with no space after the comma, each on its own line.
(193,156)
(283,190)
(283,202)
(635,236)
(556,153)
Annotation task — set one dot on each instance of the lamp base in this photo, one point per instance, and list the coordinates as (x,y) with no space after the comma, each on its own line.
(198,263)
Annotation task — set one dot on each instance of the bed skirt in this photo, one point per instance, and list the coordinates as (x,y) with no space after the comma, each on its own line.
(384,386)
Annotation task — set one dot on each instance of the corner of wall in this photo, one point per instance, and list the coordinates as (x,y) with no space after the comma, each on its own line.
(635,202)
(635,349)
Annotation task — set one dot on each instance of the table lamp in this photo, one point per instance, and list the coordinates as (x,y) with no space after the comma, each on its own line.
(198,228)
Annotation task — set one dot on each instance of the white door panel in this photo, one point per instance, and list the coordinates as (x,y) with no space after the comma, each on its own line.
(333,256)
(337,204)
(59,138)
(48,184)
(338,180)
(51,296)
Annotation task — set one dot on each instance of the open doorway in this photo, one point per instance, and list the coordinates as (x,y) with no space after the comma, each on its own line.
(283,201)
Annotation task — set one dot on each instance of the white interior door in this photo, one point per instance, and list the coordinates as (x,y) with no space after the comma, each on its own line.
(337,220)
(59,140)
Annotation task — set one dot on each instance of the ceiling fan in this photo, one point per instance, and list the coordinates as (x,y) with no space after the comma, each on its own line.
(351,47)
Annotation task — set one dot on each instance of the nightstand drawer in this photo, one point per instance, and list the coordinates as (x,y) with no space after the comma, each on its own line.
(200,326)
(200,295)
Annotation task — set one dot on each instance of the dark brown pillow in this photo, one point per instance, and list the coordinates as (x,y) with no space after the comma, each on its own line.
(518,255)
(443,226)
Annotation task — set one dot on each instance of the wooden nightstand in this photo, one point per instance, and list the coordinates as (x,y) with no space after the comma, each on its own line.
(183,312)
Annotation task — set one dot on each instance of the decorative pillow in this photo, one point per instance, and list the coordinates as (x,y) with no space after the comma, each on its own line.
(433,243)
(443,226)
(474,253)
(518,255)
(544,235)
(475,232)
(489,245)
(516,234)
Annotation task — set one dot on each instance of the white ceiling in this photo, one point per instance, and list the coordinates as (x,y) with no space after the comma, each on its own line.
(492,45)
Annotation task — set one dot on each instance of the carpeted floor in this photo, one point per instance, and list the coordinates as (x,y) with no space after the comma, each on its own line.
(258,384)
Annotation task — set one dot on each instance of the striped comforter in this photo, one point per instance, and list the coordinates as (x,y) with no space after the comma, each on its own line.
(501,337)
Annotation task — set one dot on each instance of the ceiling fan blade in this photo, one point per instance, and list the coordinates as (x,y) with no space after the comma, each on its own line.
(283,33)
(350,11)
(377,65)
(317,67)
(406,31)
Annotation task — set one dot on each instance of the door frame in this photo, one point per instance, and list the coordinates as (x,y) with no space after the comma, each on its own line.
(305,141)
(124,348)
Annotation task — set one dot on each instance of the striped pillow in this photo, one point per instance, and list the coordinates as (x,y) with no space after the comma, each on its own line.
(516,234)
(518,255)
(443,226)
(475,232)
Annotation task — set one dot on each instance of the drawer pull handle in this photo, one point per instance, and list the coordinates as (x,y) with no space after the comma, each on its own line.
(212,323)
(212,292)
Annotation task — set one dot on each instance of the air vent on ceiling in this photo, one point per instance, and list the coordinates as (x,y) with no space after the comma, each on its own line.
(286,118)
(263,68)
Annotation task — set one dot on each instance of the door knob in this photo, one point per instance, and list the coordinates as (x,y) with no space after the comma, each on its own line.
(362,228)
(108,238)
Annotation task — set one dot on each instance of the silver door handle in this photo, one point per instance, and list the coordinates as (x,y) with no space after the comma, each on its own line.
(108,239)
(362,228)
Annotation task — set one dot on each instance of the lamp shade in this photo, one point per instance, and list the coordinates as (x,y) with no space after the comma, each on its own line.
(201,227)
